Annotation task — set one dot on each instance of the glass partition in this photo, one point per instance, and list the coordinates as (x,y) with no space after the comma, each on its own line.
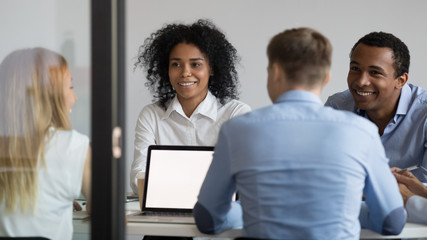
(45,119)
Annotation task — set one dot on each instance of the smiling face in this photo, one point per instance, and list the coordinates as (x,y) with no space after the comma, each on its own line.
(371,80)
(189,72)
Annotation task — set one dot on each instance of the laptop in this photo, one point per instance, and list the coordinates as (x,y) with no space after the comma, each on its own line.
(173,177)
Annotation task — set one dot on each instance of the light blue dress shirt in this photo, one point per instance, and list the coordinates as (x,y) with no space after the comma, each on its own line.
(300,169)
(405,137)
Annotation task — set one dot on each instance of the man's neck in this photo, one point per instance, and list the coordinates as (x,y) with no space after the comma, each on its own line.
(315,90)
(382,117)
(380,120)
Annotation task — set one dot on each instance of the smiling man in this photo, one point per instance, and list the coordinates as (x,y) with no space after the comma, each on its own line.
(378,90)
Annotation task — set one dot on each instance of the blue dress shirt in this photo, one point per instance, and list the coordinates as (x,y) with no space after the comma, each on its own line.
(405,137)
(300,169)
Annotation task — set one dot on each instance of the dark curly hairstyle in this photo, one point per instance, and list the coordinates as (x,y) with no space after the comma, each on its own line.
(400,50)
(154,54)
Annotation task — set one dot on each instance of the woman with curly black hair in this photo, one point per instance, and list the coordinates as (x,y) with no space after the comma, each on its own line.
(191,73)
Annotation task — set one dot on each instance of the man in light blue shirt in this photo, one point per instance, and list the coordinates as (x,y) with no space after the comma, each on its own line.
(378,90)
(300,168)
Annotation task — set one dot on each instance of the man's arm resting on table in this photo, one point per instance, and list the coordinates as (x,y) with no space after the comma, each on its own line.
(383,210)
(211,224)
(392,224)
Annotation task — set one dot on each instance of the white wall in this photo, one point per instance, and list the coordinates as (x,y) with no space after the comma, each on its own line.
(249,25)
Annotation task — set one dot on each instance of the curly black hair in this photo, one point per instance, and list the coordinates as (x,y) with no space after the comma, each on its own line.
(154,54)
(400,50)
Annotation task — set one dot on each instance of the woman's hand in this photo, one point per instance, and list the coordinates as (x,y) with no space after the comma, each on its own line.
(76,206)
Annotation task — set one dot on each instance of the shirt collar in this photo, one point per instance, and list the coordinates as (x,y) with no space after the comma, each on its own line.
(404,100)
(208,107)
(402,106)
(299,95)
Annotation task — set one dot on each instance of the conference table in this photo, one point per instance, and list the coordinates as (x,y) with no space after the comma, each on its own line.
(136,230)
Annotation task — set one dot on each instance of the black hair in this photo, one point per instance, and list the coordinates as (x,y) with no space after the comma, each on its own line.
(154,58)
(400,50)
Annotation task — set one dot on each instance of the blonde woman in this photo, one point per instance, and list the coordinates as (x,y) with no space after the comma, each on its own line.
(44,164)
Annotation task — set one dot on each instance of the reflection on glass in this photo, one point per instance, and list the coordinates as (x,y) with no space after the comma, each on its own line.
(44,164)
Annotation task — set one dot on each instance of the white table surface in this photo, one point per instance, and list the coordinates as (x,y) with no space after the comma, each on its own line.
(136,230)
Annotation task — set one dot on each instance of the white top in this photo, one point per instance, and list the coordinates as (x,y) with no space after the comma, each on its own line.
(155,126)
(416,206)
(59,183)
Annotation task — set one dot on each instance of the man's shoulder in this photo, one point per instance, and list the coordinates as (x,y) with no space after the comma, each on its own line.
(414,102)
(341,100)
(418,93)
(351,119)
(248,117)
(325,115)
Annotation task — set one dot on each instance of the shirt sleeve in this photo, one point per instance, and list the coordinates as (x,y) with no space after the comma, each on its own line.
(423,170)
(240,109)
(421,173)
(215,212)
(144,137)
(416,206)
(383,210)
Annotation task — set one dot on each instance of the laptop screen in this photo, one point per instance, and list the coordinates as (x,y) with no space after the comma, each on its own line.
(174,176)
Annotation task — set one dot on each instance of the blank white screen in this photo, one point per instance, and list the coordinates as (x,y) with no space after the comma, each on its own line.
(175,177)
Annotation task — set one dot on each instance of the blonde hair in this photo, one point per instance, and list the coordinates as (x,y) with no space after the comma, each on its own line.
(32,101)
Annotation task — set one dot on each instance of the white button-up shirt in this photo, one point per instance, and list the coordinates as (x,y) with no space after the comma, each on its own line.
(155,126)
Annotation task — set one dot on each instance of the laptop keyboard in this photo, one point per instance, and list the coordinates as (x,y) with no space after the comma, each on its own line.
(168,214)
